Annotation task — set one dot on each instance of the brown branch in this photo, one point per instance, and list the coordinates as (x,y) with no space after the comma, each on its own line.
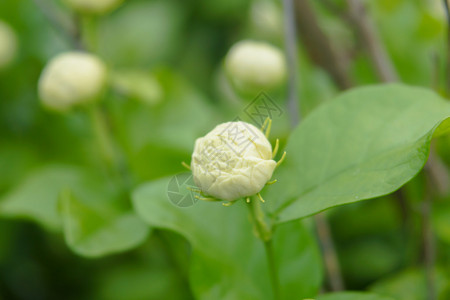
(447,67)
(318,46)
(429,246)
(438,173)
(292,61)
(68,30)
(333,268)
(367,33)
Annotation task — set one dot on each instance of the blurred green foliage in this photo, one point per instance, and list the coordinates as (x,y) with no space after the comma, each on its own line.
(168,89)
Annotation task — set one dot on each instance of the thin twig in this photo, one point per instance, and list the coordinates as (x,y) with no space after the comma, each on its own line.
(60,23)
(319,47)
(292,61)
(447,67)
(438,173)
(332,7)
(429,247)
(436,185)
(333,268)
(436,72)
(368,34)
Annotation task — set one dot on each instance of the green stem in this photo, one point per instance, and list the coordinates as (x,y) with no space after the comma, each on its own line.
(103,137)
(113,159)
(274,279)
(264,232)
(88,24)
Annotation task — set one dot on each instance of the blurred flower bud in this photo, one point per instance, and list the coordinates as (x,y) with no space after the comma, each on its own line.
(70,79)
(8,45)
(255,65)
(266,18)
(139,85)
(232,161)
(93,6)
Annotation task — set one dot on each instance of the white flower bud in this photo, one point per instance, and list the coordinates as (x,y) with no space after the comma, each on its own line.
(70,79)
(266,18)
(93,6)
(232,161)
(255,65)
(8,45)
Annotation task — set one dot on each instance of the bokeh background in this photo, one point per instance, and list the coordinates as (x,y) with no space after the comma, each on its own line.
(167,87)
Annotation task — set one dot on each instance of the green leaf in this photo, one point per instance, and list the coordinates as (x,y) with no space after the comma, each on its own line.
(143,281)
(101,229)
(99,224)
(16,159)
(142,33)
(366,143)
(352,296)
(154,272)
(138,85)
(411,285)
(228,261)
(36,197)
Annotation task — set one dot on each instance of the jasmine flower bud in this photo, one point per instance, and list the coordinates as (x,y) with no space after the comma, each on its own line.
(93,6)
(71,79)
(255,65)
(8,45)
(232,161)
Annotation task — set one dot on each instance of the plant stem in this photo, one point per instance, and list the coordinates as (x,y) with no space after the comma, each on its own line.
(370,38)
(432,189)
(103,137)
(447,65)
(264,232)
(329,253)
(428,245)
(59,22)
(112,157)
(319,47)
(268,246)
(290,37)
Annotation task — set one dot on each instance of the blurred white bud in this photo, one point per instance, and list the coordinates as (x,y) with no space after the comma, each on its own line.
(266,18)
(137,84)
(70,79)
(93,6)
(8,45)
(437,9)
(255,65)
(232,161)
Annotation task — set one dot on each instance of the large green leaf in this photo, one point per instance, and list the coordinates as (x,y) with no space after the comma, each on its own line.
(366,143)
(142,33)
(36,197)
(228,261)
(412,285)
(93,214)
(16,159)
(102,228)
(352,296)
(152,273)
